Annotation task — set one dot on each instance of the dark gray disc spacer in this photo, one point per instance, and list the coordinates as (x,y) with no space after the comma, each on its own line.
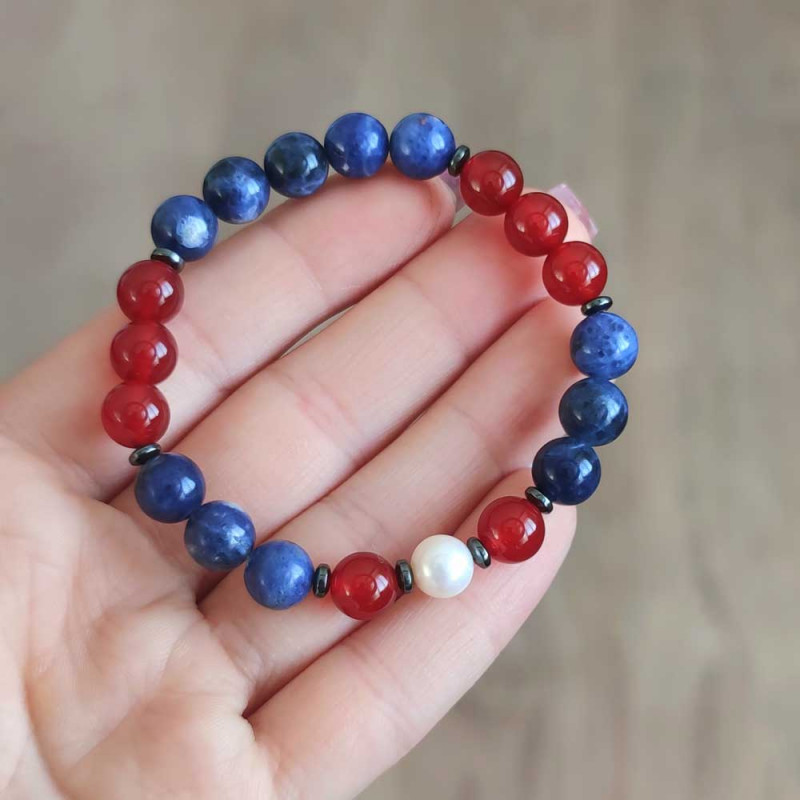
(539,499)
(602,303)
(321,581)
(167,257)
(480,555)
(144,454)
(405,577)
(460,157)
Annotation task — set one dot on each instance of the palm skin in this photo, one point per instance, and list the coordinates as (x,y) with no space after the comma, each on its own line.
(127,671)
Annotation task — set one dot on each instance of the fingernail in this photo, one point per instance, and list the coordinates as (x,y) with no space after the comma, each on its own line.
(453,183)
(567,197)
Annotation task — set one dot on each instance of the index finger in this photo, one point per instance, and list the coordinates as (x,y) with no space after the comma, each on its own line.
(246,302)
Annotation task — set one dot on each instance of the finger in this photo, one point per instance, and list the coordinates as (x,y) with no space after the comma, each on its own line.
(381,689)
(246,303)
(487,425)
(330,405)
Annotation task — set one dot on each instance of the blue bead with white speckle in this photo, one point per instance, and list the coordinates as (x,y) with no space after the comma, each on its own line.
(296,165)
(357,145)
(278,574)
(236,189)
(421,146)
(185,225)
(593,411)
(566,471)
(219,535)
(604,345)
(169,487)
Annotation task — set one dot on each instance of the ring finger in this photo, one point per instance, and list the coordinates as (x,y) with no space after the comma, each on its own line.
(425,482)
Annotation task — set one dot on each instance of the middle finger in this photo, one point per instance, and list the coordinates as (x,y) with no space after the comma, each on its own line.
(304,424)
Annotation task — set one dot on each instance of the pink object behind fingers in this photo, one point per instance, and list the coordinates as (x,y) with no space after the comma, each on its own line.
(567,197)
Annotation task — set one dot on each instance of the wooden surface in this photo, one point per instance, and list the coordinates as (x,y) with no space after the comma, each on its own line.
(665,661)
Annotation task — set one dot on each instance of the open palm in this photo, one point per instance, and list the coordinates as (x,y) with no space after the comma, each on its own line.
(127,671)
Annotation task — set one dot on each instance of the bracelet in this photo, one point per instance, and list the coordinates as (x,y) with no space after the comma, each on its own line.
(219,535)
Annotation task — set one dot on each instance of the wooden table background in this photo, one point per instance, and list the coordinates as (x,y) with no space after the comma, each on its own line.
(665,661)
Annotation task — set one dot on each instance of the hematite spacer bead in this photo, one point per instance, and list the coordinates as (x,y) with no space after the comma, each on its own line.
(540,500)
(321,581)
(601,303)
(480,555)
(460,157)
(141,455)
(405,577)
(167,257)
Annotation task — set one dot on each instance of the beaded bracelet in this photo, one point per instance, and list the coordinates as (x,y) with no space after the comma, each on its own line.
(220,535)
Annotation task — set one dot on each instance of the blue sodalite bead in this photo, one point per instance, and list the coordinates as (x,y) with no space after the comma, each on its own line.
(219,535)
(593,411)
(604,345)
(566,470)
(421,146)
(357,145)
(236,189)
(169,487)
(278,574)
(296,165)
(185,225)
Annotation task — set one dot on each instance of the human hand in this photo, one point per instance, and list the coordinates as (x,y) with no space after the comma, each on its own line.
(126,670)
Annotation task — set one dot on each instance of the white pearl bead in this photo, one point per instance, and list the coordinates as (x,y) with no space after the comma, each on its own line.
(442,566)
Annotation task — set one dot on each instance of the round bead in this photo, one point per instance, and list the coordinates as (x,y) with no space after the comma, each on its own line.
(536,224)
(236,190)
(567,471)
(604,345)
(185,225)
(491,182)
(145,352)
(296,165)
(593,411)
(363,585)
(575,273)
(135,414)
(150,291)
(278,574)
(511,529)
(169,487)
(421,146)
(442,566)
(356,145)
(219,535)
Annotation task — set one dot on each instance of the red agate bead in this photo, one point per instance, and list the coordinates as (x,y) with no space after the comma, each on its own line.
(145,352)
(511,529)
(575,273)
(536,224)
(135,414)
(490,182)
(150,291)
(363,585)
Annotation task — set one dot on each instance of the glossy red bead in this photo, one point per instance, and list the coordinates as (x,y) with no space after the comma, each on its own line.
(511,529)
(575,273)
(135,414)
(150,291)
(144,352)
(363,585)
(490,182)
(536,224)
